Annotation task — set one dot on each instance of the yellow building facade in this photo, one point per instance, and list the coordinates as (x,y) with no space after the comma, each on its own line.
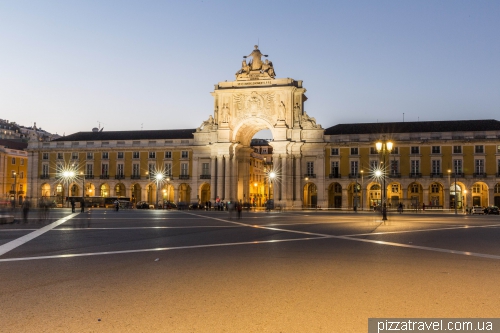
(13,172)
(439,164)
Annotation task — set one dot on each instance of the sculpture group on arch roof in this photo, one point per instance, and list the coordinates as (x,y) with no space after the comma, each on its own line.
(256,69)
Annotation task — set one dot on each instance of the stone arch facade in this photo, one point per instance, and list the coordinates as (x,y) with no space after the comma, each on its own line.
(256,100)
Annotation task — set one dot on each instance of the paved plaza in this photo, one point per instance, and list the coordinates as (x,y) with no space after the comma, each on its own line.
(198,271)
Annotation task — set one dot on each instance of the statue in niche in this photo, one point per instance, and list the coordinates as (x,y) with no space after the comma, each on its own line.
(296,113)
(281,111)
(225,113)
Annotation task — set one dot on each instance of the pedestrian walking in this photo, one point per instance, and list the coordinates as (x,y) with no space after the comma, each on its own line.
(82,206)
(26,209)
(239,207)
(72,205)
(117,205)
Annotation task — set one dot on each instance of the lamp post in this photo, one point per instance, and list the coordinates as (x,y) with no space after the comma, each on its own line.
(168,190)
(272,175)
(465,200)
(384,147)
(455,187)
(15,190)
(158,178)
(362,186)
(67,176)
(83,191)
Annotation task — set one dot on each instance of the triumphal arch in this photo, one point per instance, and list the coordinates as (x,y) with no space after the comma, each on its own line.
(257,99)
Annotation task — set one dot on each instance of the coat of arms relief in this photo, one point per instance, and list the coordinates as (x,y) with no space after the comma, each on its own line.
(265,105)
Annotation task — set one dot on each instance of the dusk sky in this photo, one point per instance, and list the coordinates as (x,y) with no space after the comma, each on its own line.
(70,65)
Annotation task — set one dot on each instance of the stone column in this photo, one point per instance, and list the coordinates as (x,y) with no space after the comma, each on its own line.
(425,196)
(234,179)
(276,188)
(446,198)
(245,180)
(195,176)
(213,178)
(298,182)
(320,181)
(285,181)
(345,198)
(220,177)
(491,196)
(176,194)
(227,176)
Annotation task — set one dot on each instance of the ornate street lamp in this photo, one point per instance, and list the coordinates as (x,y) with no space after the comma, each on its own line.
(158,178)
(67,176)
(362,186)
(455,186)
(271,176)
(384,147)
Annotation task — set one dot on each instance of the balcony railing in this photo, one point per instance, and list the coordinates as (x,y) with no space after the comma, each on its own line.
(183,176)
(335,175)
(119,177)
(310,175)
(104,176)
(394,175)
(415,174)
(436,175)
(44,176)
(354,175)
(479,175)
(135,177)
(205,176)
(89,176)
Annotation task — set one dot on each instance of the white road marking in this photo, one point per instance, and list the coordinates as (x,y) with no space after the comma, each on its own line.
(13,244)
(26,238)
(154,249)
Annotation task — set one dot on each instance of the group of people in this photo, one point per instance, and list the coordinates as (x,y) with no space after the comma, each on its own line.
(73,205)
(225,206)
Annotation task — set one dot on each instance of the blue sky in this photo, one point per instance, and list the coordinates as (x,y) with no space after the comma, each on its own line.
(68,65)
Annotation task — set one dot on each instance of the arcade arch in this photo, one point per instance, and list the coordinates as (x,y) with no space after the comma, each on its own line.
(478,194)
(120,190)
(496,195)
(135,193)
(457,195)
(335,195)
(415,195)
(45,190)
(104,190)
(89,190)
(204,193)
(74,190)
(374,194)
(436,194)
(354,195)
(184,193)
(310,195)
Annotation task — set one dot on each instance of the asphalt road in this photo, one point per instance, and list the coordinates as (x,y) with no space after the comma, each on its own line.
(197,271)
